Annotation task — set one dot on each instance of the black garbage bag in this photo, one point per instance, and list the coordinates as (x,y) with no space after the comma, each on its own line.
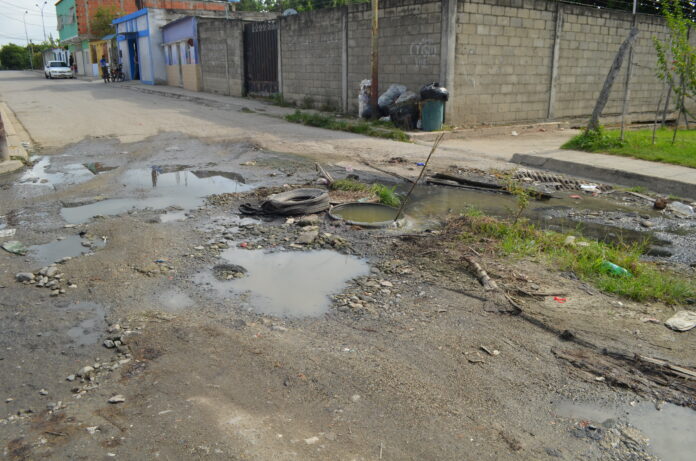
(366,112)
(404,113)
(434,91)
(387,99)
(405,116)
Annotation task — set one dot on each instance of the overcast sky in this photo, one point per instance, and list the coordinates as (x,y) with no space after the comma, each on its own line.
(12,21)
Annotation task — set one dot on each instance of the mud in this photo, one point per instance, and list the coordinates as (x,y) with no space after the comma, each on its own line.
(65,247)
(338,348)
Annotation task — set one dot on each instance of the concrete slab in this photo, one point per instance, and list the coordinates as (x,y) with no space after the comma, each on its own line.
(10,166)
(625,171)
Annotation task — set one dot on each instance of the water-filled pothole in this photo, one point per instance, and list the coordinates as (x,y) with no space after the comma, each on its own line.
(290,283)
(670,429)
(71,246)
(157,188)
(42,173)
(89,330)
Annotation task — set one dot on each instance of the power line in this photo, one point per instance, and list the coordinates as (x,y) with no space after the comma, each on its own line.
(27,9)
(22,21)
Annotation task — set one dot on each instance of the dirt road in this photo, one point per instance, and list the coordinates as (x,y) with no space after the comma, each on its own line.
(358,345)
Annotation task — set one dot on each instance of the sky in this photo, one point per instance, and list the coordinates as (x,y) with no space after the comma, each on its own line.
(12,21)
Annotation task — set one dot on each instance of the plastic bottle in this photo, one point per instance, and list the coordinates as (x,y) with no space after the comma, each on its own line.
(613,269)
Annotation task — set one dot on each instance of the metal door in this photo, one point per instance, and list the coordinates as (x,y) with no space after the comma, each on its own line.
(261,57)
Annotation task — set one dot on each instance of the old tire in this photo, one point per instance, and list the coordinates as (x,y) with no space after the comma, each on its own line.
(297,202)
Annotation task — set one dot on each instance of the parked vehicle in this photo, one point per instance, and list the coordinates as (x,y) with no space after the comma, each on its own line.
(58,69)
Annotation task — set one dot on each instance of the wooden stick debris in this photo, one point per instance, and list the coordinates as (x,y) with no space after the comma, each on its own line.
(482,276)
(382,170)
(325,174)
(425,165)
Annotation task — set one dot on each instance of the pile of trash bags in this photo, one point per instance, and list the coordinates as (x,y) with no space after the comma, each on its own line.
(398,104)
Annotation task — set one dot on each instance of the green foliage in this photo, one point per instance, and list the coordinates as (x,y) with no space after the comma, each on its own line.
(639,144)
(676,58)
(101,21)
(349,185)
(14,57)
(647,282)
(593,141)
(387,195)
(521,195)
(359,127)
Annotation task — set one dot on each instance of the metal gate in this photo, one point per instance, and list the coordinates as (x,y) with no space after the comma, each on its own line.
(261,57)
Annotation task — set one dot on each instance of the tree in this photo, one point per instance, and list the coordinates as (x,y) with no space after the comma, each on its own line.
(101,21)
(13,57)
(676,59)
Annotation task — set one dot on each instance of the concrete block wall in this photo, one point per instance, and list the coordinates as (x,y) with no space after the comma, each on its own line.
(311,47)
(325,54)
(221,56)
(409,44)
(503,61)
(530,60)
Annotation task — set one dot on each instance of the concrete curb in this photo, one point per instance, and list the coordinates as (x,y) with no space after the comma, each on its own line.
(608,175)
(14,142)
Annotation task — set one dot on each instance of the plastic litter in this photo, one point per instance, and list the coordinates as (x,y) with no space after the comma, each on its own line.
(613,269)
(434,91)
(364,109)
(7,232)
(420,163)
(405,113)
(682,321)
(15,247)
(589,187)
(681,209)
(560,300)
(389,97)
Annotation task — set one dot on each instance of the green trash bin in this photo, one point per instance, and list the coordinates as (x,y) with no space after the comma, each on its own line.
(432,115)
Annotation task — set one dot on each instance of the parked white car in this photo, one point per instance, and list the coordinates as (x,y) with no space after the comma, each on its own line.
(58,69)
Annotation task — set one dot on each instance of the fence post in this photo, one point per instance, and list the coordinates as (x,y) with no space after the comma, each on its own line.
(554,60)
(344,60)
(448,43)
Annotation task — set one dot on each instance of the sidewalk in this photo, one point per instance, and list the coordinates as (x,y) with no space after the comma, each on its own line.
(625,171)
(209,99)
(13,139)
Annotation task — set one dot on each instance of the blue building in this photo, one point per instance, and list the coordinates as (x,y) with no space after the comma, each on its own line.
(180,42)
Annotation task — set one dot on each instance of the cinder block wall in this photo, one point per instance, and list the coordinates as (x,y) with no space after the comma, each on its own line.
(506,70)
(503,61)
(325,54)
(409,44)
(311,46)
(221,56)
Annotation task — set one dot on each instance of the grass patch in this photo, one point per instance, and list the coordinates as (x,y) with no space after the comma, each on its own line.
(646,283)
(378,130)
(349,185)
(385,194)
(638,144)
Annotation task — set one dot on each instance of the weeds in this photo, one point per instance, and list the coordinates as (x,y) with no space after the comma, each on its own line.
(387,195)
(279,100)
(593,141)
(521,195)
(360,127)
(349,185)
(584,258)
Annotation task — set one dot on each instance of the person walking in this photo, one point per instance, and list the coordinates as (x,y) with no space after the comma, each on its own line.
(104,68)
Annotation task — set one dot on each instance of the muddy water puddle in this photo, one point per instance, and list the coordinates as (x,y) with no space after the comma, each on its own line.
(91,328)
(290,283)
(671,429)
(158,188)
(43,173)
(71,246)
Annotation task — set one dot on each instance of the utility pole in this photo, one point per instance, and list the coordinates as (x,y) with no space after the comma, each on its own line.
(629,66)
(374,94)
(43,24)
(26,34)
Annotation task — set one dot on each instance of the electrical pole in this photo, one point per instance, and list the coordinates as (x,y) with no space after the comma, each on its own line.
(624,108)
(43,24)
(374,94)
(31,49)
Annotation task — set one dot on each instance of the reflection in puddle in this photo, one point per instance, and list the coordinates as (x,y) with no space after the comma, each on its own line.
(157,190)
(175,300)
(72,246)
(90,330)
(670,430)
(40,174)
(291,283)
